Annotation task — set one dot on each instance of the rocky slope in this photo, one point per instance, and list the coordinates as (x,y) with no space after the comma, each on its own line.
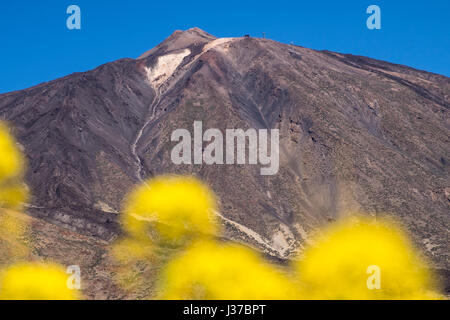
(356,134)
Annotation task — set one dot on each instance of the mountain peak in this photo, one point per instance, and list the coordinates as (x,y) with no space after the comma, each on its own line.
(181,39)
(199,32)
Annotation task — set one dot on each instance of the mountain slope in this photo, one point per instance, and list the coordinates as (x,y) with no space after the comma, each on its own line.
(356,134)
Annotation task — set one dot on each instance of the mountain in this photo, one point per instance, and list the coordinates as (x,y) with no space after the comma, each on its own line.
(356,134)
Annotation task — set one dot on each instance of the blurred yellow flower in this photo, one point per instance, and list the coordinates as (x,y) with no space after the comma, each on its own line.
(209,270)
(13,193)
(13,196)
(35,281)
(11,161)
(338,266)
(177,207)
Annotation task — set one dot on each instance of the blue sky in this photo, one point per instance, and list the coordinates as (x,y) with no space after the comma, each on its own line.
(36,45)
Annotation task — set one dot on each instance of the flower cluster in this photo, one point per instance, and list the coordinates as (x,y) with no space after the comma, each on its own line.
(336,266)
(179,211)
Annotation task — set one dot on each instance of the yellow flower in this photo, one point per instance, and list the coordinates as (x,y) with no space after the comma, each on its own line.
(13,193)
(336,267)
(35,281)
(209,270)
(13,196)
(11,161)
(177,207)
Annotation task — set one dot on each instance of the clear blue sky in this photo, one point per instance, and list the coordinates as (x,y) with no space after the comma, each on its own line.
(36,45)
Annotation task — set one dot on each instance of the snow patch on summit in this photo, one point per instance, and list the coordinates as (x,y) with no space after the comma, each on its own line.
(165,67)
